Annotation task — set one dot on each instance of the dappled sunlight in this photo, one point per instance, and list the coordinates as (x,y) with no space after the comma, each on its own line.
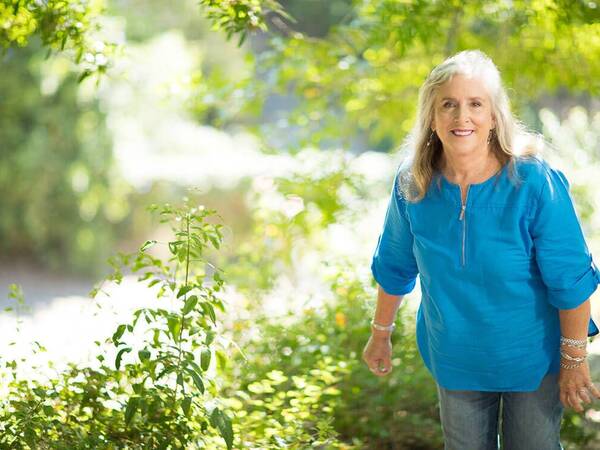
(156,138)
(68,327)
(249,327)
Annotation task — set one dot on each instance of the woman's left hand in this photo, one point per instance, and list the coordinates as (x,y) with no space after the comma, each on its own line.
(576,386)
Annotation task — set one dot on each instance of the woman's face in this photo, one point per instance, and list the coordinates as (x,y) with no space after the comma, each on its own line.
(462,116)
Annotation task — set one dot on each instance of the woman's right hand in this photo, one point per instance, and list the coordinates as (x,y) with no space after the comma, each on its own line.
(378,353)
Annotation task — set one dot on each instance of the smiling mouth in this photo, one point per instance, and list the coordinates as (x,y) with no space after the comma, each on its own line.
(462,132)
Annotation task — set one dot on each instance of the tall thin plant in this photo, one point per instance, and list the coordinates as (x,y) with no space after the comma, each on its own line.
(160,393)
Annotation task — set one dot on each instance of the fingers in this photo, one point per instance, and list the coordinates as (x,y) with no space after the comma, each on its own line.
(378,361)
(575,401)
(381,367)
(577,398)
(583,395)
(594,390)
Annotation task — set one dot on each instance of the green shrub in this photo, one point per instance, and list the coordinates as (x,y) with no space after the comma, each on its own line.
(160,392)
(400,409)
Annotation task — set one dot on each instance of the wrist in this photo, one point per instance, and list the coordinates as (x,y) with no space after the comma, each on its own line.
(379,334)
(380,327)
(574,352)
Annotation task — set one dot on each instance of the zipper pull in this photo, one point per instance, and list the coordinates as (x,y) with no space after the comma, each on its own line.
(462,212)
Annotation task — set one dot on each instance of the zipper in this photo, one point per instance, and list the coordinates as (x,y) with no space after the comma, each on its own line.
(464,221)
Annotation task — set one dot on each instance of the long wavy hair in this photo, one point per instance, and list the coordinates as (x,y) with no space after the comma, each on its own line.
(509,139)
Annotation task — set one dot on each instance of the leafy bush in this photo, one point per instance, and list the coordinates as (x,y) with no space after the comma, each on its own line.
(298,381)
(400,409)
(163,390)
(160,392)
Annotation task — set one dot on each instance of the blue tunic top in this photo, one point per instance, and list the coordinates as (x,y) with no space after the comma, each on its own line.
(493,274)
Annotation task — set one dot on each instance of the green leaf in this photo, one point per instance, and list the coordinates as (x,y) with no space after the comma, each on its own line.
(241,41)
(145,276)
(154,282)
(197,380)
(147,245)
(136,316)
(132,405)
(210,336)
(205,359)
(165,371)
(221,359)
(222,422)
(185,405)
(120,356)
(144,355)
(174,325)
(194,366)
(174,246)
(208,309)
(190,303)
(184,290)
(214,241)
(39,392)
(85,74)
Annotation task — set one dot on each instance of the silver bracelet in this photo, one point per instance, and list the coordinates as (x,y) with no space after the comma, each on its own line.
(570,366)
(382,327)
(573,358)
(577,343)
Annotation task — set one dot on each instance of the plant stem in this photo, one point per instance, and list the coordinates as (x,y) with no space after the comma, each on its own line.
(187,271)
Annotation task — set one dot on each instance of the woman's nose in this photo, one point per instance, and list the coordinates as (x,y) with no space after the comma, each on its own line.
(461,114)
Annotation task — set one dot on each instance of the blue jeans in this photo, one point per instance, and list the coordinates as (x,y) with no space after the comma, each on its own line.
(471,420)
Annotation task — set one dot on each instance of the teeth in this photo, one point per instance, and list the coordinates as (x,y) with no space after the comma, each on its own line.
(462,133)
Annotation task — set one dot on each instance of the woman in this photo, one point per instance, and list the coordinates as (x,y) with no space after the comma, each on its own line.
(504,269)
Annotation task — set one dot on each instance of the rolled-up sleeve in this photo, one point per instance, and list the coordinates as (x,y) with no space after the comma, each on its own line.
(393,264)
(562,255)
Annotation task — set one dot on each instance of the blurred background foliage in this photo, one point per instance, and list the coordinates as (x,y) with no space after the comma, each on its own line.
(64,198)
(355,79)
(326,74)
(285,117)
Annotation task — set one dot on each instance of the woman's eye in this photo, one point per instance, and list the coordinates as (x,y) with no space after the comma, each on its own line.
(447,104)
(477,104)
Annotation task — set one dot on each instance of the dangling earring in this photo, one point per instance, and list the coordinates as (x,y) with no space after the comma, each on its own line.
(430,138)
(490,136)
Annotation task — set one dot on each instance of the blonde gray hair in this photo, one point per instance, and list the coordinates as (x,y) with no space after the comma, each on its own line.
(423,146)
